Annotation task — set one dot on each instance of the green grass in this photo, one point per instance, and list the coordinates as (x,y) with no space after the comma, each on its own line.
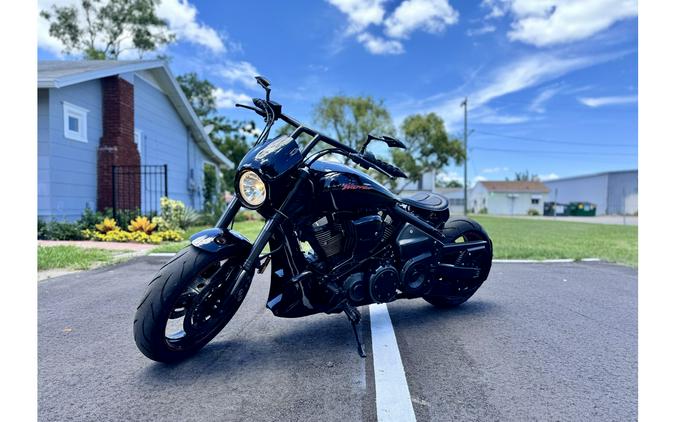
(72,257)
(250,229)
(515,238)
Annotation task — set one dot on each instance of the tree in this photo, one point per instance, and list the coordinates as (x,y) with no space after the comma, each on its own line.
(525,177)
(449,184)
(351,119)
(429,147)
(101,30)
(229,136)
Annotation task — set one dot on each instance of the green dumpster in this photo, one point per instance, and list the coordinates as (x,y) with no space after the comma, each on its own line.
(584,209)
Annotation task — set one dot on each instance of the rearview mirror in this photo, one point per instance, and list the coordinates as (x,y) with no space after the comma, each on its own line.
(393,142)
(265,83)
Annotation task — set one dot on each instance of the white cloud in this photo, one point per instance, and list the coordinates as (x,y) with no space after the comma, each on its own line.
(491,170)
(361,13)
(542,98)
(432,16)
(512,77)
(238,72)
(550,22)
(228,98)
(550,176)
(486,29)
(603,101)
(448,176)
(377,45)
(478,179)
(182,19)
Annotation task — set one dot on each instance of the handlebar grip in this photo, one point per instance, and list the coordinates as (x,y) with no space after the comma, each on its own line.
(391,169)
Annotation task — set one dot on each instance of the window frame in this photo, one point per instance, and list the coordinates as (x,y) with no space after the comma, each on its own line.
(79,113)
(138,140)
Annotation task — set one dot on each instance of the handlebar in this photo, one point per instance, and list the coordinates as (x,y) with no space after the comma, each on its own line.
(365,160)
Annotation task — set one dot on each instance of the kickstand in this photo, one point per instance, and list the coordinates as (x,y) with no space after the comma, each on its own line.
(354,317)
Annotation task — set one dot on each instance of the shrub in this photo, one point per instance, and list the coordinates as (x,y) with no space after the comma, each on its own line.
(58,230)
(107,225)
(142,224)
(483,210)
(170,235)
(90,219)
(175,215)
(532,211)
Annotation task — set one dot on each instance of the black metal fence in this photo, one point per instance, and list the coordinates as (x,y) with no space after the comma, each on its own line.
(139,188)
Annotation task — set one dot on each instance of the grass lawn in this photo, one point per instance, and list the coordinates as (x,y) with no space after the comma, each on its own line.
(250,229)
(515,238)
(72,257)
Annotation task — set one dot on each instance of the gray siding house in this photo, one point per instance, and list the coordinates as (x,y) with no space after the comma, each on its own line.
(94,116)
(613,192)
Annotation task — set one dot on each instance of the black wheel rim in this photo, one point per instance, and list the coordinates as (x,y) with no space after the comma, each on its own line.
(201,306)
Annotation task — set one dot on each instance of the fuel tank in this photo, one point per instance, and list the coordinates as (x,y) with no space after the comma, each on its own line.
(342,188)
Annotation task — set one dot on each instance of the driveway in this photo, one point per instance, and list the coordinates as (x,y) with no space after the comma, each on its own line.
(538,341)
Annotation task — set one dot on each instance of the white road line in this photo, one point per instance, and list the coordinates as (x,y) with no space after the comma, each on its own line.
(391,388)
(543,261)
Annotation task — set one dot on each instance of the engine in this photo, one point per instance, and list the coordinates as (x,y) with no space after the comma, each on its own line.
(348,239)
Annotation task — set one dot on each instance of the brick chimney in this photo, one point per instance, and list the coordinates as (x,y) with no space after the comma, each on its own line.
(117,147)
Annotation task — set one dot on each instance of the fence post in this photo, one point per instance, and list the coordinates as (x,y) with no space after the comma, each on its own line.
(166,180)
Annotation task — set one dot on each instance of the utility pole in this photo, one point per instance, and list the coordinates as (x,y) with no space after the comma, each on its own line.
(466,155)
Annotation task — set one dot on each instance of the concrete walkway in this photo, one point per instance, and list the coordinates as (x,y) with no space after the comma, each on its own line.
(92,244)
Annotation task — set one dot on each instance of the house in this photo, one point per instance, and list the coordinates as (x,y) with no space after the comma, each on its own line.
(455,197)
(613,192)
(508,198)
(117,134)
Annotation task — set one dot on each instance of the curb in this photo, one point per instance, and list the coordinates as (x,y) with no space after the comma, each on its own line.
(544,261)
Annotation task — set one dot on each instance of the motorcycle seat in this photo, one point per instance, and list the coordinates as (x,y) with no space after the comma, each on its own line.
(427,201)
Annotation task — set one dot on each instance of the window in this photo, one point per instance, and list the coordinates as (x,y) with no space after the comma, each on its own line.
(74,122)
(138,140)
(535,201)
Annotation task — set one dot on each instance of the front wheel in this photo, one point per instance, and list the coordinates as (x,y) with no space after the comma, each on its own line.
(462,229)
(187,303)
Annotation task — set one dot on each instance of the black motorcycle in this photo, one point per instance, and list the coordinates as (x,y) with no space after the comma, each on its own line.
(337,239)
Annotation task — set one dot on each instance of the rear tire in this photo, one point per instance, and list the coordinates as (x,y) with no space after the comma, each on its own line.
(177,291)
(464,229)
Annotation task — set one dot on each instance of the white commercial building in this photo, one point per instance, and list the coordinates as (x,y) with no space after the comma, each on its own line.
(613,192)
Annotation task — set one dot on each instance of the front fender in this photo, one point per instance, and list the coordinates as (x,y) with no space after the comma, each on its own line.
(219,240)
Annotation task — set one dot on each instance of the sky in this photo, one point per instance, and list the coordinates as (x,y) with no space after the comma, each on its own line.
(551,85)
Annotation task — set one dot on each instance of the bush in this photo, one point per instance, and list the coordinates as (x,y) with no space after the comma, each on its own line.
(175,215)
(142,224)
(90,219)
(58,230)
(483,210)
(532,211)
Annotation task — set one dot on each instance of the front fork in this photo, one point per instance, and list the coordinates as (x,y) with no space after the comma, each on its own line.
(252,260)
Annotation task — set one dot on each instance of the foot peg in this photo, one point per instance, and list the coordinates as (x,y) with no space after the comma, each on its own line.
(354,317)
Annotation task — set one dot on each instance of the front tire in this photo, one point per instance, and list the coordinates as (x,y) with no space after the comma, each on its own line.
(187,303)
(462,229)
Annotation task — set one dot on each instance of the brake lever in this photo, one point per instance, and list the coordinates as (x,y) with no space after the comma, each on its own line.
(257,110)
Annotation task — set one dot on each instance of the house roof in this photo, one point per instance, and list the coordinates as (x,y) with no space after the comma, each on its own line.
(62,73)
(515,186)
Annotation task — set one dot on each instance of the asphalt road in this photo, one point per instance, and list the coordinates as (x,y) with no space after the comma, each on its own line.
(537,342)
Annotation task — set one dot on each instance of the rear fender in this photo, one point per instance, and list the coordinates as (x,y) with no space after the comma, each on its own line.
(217,240)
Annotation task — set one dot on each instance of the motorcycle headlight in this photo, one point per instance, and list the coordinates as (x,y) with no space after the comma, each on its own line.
(252,189)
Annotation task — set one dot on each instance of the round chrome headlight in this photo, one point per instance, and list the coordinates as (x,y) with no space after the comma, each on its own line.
(252,189)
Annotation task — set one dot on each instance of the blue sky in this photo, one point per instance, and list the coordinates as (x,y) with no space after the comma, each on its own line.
(551,85)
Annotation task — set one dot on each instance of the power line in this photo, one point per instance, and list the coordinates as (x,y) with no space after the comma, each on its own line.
(526,151)
(548,141)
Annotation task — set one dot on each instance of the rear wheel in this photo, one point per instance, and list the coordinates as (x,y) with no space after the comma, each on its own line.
(453,293)
(187,303)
